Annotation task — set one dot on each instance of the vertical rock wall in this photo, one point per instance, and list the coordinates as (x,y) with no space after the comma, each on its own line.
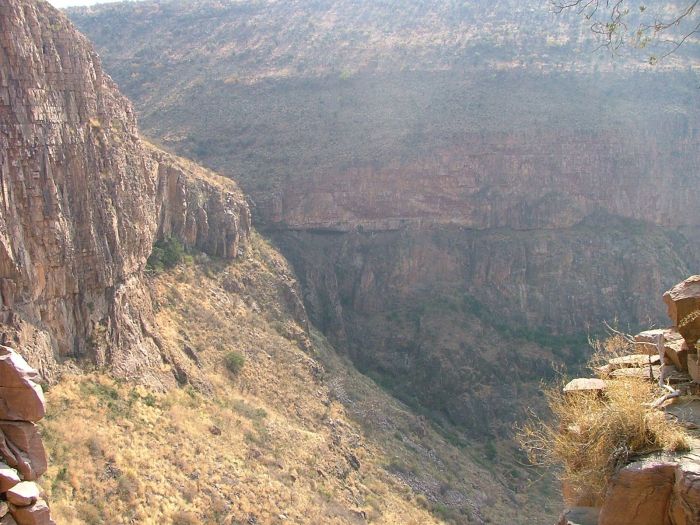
(82,200)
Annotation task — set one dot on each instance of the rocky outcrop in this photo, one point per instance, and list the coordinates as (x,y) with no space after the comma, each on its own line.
(82,200)
(654,492)
(200,208)
(662,488)
(683,302)
(22,455)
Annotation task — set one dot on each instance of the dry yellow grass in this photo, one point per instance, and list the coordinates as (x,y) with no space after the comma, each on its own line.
(278,441)
(590,436)
(266,445)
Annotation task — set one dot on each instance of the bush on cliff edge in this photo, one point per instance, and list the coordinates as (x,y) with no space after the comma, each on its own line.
(166,254)
(590,436)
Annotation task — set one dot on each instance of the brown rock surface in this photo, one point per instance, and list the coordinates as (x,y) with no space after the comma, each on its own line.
(21,397)
(685,503)
(649,337)
(82,201)
(585,385)
(24,494)
(645,372)
(22,448)
(683,303)
(674,348)
(8,477)
(36,514)
(634,361)
(694,367)
(7,519)
(204,210)
(639,494)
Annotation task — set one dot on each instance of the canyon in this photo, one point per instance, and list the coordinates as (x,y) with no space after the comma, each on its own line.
(438,207)
(133,282)
(450,182)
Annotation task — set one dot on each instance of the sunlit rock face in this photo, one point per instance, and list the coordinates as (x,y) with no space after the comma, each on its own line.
(82,201)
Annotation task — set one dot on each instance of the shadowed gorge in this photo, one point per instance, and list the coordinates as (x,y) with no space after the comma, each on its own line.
(451,181)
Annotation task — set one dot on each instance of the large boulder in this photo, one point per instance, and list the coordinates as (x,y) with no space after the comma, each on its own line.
(24,494)
(8,477)
(585,385)
(683,303)
(639,494)
(36,514)
(22,448)
(685,502)
(21,397)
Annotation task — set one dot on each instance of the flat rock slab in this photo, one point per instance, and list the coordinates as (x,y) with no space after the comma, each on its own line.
(24,494)
(651,336)
(635,361)
(585,385)
(8,477)
(637,373)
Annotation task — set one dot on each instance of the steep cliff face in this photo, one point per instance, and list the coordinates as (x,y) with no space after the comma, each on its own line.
(415,305)
(83,200)
(522,180)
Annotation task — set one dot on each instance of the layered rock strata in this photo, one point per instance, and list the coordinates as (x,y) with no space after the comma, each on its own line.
(82,200)
(22,455)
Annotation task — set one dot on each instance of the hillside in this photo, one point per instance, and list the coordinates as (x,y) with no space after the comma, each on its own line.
(461,187)
(278,442)
(184,381)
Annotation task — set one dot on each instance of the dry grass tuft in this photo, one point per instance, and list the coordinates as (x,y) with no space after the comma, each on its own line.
(590,436)
(606,349)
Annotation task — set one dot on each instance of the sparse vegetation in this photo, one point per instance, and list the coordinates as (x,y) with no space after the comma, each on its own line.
(216,451)
(590,436)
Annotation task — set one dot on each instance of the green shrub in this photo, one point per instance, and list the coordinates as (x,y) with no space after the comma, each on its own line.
(234,362)
(166,254)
